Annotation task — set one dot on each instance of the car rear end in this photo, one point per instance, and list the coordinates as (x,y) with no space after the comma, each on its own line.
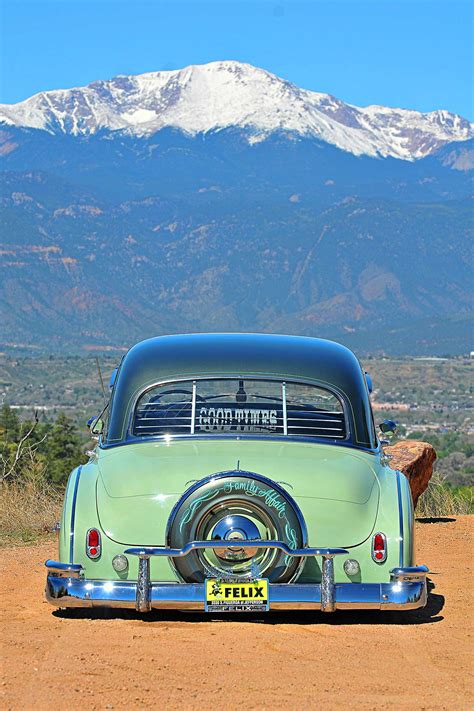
(239,492)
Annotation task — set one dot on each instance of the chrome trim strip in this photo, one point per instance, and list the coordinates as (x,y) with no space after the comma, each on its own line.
(243,435)
(73,515)
(74,592)
(411,516)
(400,520)
(193,408)
(284,413)
(197,545)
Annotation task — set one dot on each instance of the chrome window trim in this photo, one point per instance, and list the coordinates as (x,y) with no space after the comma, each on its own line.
(193,409)
(248,437)
(284,413)
(130,437)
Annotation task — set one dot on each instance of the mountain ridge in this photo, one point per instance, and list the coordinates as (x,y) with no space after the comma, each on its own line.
(219,95)
(109,237)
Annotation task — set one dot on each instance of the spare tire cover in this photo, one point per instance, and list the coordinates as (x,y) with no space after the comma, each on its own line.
(236,506)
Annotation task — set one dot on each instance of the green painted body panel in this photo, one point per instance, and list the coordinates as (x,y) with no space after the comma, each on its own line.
(332,485)
(345,496)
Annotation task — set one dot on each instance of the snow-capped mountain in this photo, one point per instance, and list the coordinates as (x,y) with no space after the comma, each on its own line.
(229,94)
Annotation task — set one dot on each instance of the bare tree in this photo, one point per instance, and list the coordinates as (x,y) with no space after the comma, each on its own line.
(24,450)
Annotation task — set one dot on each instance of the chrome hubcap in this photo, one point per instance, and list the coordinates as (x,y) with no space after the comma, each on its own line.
(235,528)
(236,522)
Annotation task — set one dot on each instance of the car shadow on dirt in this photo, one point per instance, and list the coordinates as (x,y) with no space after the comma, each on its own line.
(426,615)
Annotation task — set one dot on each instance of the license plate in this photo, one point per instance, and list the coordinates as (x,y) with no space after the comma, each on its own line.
(225,596)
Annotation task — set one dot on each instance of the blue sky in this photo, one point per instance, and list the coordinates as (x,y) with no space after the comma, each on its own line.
(408,53)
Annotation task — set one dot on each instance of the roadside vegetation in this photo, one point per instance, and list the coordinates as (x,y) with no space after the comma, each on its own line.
(442,500)
(29,509)
(35,461)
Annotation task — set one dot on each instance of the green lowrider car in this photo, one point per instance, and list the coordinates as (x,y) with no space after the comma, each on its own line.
(237,473)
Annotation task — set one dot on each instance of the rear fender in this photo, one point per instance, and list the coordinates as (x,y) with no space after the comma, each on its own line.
(79,513)
(395,520)
(67,515)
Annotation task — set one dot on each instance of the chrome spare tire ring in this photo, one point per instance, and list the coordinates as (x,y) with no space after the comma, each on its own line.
(236,506)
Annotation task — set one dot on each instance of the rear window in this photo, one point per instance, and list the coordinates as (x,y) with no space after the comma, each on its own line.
(239,406)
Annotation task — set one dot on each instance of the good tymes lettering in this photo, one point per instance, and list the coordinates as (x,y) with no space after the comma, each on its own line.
(236,419)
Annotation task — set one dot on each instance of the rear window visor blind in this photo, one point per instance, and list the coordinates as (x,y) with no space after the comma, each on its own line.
(239,406)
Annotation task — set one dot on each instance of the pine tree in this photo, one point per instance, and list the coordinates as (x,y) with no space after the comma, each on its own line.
(63,449)
(9,424)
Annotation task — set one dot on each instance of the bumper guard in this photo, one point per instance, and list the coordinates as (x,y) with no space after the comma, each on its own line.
(66,586)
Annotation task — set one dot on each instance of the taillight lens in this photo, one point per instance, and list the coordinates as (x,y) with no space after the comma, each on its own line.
(93,543)
(379,548)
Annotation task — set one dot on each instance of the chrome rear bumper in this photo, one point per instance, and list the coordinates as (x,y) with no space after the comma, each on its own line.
(66,588)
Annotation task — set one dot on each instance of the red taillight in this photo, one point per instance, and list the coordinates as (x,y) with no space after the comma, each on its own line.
(93,537)
(379,548)
(93,543)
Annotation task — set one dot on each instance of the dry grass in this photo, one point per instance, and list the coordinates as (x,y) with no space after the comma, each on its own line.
(441,500)
(28,510)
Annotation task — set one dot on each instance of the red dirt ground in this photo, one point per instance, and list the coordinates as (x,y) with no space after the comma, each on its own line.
(117,660)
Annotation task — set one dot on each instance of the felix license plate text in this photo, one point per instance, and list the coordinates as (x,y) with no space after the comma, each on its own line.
(225,596)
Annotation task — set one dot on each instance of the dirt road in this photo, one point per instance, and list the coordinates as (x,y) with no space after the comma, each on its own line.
(118,660)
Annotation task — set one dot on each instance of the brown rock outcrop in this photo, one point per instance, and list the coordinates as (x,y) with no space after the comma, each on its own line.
(415,459)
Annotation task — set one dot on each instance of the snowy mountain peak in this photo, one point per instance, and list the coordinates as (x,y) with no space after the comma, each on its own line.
(218,95)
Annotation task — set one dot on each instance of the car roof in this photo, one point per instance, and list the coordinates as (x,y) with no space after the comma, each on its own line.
(186,356)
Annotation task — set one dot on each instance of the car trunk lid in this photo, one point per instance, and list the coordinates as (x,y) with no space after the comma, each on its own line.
(336,487)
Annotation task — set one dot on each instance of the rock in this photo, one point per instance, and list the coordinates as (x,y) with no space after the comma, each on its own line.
(415,459)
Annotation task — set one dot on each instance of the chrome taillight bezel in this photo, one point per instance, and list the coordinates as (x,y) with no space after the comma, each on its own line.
(97,548)
(379,550)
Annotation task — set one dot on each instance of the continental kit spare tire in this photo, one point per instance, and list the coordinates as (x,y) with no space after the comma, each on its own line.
(236,506)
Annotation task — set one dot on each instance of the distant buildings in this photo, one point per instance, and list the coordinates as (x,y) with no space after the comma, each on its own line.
(401,406)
